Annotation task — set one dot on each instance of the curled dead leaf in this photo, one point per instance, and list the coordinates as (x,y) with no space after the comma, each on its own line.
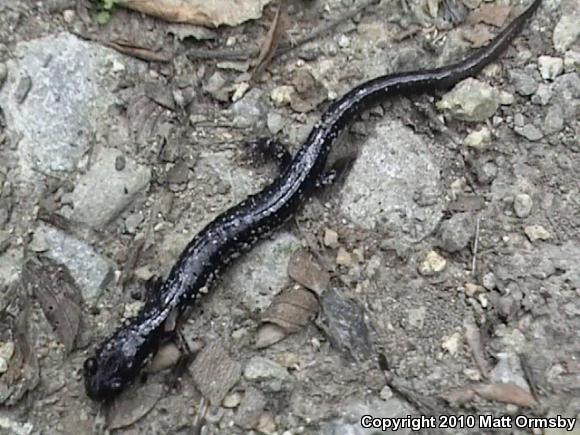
(304,269)
(133,405)
(209,13)
(268,334)
(292,309)
(58,296)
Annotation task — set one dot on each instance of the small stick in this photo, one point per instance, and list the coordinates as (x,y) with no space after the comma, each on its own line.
(475,246)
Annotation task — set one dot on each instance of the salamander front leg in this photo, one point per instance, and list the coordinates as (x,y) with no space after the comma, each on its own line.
(270,149)
(339,169)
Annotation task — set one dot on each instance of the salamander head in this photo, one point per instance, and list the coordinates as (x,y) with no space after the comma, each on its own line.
(116,364)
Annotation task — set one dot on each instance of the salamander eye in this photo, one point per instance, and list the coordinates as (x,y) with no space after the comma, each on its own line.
(90,366)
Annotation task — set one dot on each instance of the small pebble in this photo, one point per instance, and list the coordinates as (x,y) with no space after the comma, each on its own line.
(452,343)
(275,122)
(550,67)
(282,95)
(232,400)
(523,205)
(266,424)
(530,132)
(120,162)
(343,258)
(542,95)
(472,289)
(537,232)
(554,120)
(479,139)
(386,393)
(571,62)
(566,31)
(330,238)
(432,264)
(489,281)
(68,16)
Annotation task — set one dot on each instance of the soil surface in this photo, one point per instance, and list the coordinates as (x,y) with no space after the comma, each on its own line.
(438,275)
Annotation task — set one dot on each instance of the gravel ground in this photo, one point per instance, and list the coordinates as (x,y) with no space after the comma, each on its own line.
(443,270)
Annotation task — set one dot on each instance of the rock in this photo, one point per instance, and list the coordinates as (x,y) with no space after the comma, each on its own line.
(349,422)
(260,369)
(330,238)
(542,95)
(232,400)
(275,122)
(472,290)
(550,67)
(452,343)
(3,73)
(530,132)
(571,62)
(261,273)
(432,264)
(215,86)
(249,111)
(478,139)
(103,192)
(10,266)
(344,324)
(471,100)
(566,94)
(69,97)
(537,232)
(6,352)
(554,120)
(343,258)
(91,272)
(508,370)
(251,408)
(455,233)
(178,174)
(394,186)
(523,205)
(523,82)
(566,31)
(282,95)
(489,281)
(416,317)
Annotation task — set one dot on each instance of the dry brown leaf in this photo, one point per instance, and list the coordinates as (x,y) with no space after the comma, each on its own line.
(493,14)
(506,393)
(133,405)
(291,310)
(304,269)
(59,298)
(142,53)
(209,13)
(272,40)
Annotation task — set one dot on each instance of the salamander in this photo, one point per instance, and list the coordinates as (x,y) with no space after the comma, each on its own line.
(119,359)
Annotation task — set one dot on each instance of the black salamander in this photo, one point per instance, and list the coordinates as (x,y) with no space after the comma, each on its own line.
(120,358)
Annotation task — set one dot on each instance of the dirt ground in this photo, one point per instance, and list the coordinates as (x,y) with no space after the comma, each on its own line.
(443,272)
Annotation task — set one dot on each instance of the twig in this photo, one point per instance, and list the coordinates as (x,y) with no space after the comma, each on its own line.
(475,247)
(245,54)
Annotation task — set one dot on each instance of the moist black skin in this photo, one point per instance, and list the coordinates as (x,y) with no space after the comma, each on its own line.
(120,358)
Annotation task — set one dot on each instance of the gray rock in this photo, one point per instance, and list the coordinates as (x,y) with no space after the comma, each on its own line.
(344,323)
(249,110)
(523,82)
(571,61)
(550,67)
(67,99)
(455,233)
(89,269)
(394,185)
(554,120)
(260,369)
(471,100)
(508,370)
(566,93)
(416,317)
(530,132)
(215,86)
(104,192)
(250,409)
(275,122)
(10,266)
(542,95)
(566,31)
(523,205)
(261,273)
(350,421)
